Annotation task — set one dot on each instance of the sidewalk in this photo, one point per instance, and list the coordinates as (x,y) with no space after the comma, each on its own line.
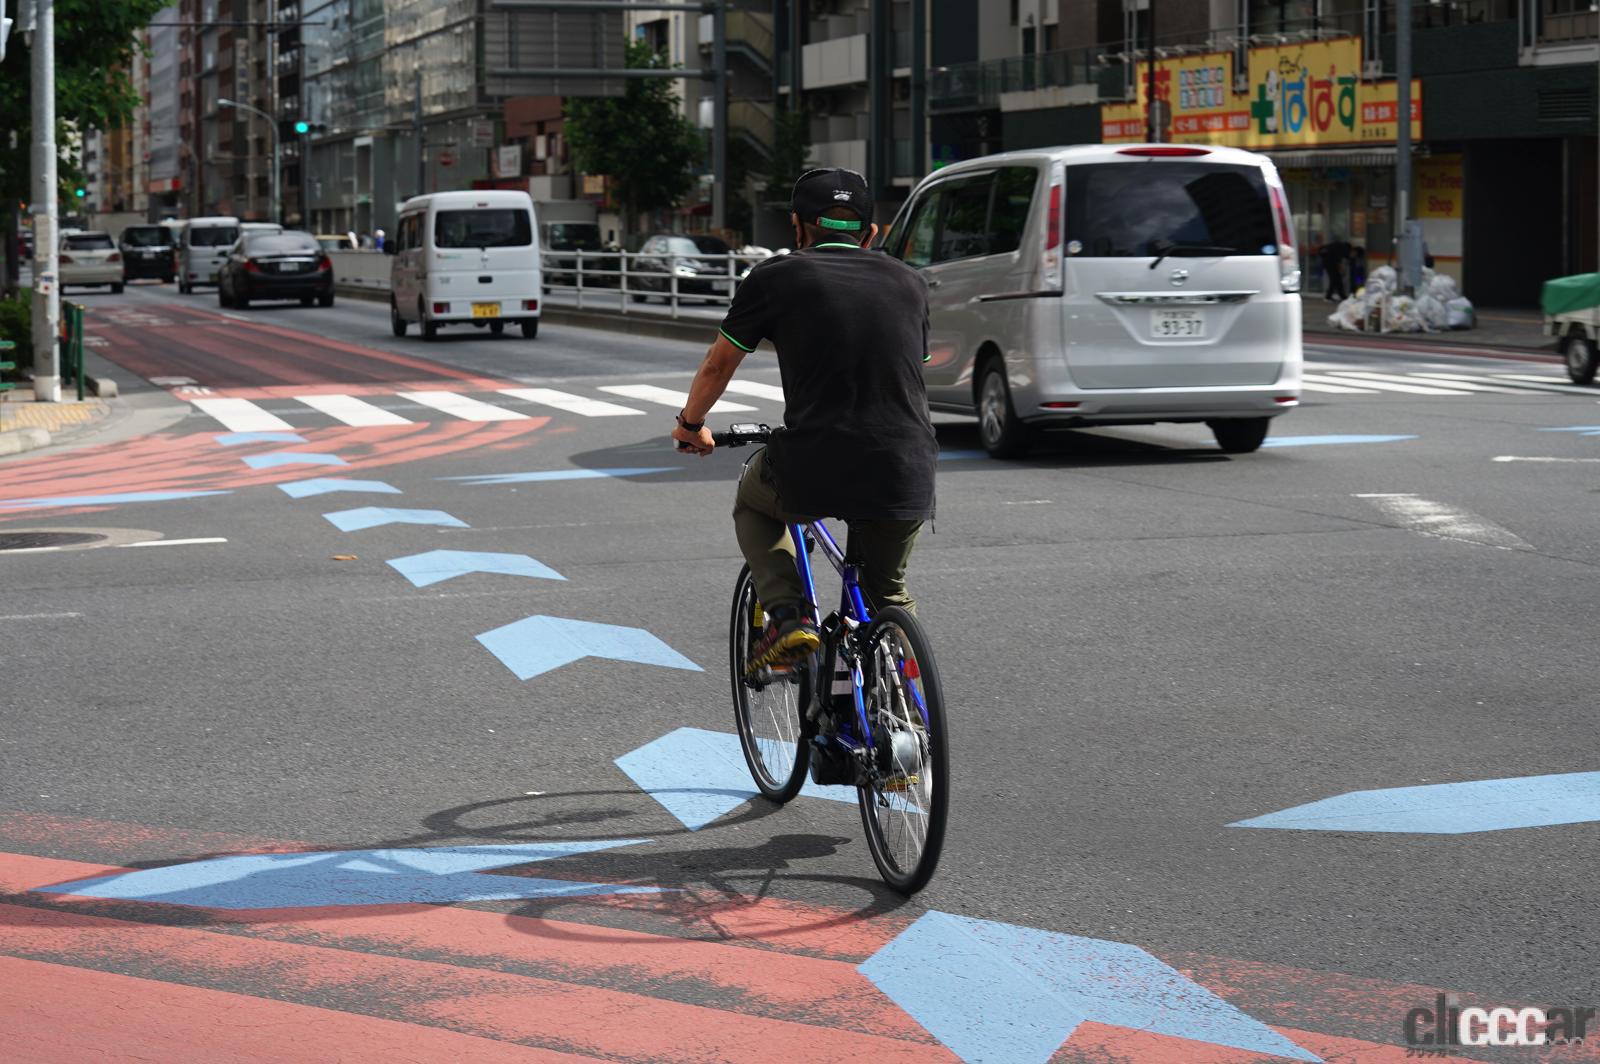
(26,424)
(1503,328)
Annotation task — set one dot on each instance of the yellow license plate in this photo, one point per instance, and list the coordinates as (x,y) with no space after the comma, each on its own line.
(486,310)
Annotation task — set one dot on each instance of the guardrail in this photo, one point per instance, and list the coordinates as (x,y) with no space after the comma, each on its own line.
(629,276)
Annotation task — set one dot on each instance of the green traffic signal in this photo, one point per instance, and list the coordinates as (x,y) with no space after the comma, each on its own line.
(79,193)
(302,128)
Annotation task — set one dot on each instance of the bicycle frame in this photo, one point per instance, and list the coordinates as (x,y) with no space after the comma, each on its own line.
(852,610)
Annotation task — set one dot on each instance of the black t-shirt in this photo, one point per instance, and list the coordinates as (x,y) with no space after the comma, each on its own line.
(851,330)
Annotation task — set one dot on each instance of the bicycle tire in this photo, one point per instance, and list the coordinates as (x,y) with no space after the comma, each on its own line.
(770,715)
(920,806)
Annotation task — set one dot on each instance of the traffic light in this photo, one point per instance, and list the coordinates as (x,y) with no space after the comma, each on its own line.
(302,127)
(80,192)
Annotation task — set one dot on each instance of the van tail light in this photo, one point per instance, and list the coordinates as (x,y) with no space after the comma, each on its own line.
(1288,258)
(1165,151)
(441,308)
(530,304)
(114,257)
(65,260)
(325,263)
(1050,260)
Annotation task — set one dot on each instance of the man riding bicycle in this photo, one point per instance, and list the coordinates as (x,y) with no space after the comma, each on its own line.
(851,331)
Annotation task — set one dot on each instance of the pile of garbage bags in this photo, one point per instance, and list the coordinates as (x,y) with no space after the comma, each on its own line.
(1378,306)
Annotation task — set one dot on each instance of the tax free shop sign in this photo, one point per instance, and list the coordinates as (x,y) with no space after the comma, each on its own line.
(1299,95)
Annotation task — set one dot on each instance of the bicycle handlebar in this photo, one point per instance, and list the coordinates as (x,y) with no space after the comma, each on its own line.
(738,436)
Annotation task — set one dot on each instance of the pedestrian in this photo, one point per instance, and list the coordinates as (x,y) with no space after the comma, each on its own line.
(1334,254)
(377,239)
(1358,267)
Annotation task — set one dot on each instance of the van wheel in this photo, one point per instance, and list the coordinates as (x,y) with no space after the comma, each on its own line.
(497,328)
(116,289)
(530,328)
(1582,358)
(1240,435)
(397,324)
(1002,432)
(430,331)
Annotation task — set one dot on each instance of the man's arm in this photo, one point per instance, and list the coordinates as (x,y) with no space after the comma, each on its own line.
(710,381)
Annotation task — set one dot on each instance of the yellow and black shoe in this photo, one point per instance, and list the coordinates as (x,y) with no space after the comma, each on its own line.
(787,640)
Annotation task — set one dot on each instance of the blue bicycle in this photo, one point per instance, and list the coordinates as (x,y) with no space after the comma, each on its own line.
(867,710)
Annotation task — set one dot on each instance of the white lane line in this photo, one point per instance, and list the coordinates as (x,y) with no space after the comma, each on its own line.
(1395,382)
(463,406)
(649,393)
(1552,384)
(241,415)
(37,616)
(1471,384)
(1511,384)
(352,411)
(1519,458)
(572,404)
(173,542)
(1313,382)
(760,391)
(1429,518)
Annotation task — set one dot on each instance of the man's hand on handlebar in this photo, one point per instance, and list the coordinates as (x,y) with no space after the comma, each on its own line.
(698,442)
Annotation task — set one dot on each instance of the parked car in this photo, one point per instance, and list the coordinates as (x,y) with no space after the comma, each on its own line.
(465,258)
(699,262)
(147,251)
(572,237)
(276,265)
(1108,285)
(91,258)
(203,249)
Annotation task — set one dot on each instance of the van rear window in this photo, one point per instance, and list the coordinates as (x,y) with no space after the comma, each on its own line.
(146,236)
(1132,210)
(482,228)
(89,242)
(212,236)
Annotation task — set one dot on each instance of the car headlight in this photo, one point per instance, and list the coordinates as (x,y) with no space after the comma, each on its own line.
(685,270)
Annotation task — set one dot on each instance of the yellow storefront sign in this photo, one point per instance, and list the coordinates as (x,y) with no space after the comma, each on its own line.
(1300,95)
(1439,187)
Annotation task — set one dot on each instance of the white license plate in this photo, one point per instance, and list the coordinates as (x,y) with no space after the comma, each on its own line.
(1177,324)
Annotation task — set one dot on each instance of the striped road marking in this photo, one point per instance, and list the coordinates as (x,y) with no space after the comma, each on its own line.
(1394,382)
(241,415)
(760,391)
(649,393)
(1430,518)
(1315,382)
(352,411)
(1510,383)
(571,404)
(464,407)
(1548,384)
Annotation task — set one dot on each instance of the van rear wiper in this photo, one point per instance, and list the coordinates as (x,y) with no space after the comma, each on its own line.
(1163,248)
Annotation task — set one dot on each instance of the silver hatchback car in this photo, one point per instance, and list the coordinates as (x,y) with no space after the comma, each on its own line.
(1108,285)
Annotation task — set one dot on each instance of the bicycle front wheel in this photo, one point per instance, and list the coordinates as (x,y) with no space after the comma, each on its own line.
(906,801)
(768,705)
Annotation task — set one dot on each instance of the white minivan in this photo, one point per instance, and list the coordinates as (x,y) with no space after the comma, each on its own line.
(1107,285)
(468,258)
(203,249)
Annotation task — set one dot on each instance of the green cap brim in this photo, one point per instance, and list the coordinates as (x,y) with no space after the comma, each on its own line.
(838,223)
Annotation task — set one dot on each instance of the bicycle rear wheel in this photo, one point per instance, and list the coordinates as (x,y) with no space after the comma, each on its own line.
(906,802)
(769,706)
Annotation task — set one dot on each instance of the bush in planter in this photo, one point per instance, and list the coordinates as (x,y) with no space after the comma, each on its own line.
(16,325)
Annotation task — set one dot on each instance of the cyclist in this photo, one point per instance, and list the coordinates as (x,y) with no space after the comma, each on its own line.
(850,327)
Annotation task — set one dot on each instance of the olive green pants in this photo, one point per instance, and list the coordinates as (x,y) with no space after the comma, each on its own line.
(881,548)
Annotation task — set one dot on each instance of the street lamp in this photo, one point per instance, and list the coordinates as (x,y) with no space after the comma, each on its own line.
(277,213)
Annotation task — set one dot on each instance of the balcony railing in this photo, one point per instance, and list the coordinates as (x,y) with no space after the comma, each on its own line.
(747,27)
(979,85)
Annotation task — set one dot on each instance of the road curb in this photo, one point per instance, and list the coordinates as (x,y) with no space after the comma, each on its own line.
(16,441)
(634,324)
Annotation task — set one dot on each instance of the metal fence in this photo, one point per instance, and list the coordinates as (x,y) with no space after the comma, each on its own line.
(639,277)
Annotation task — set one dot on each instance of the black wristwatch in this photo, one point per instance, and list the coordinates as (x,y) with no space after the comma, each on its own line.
(689,426)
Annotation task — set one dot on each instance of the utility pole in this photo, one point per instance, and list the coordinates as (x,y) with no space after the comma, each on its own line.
(719,115)
(417,134)
(1409,245)
(46,253)
(1154,132)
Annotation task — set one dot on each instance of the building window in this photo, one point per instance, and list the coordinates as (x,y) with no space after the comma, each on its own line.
(1014,14)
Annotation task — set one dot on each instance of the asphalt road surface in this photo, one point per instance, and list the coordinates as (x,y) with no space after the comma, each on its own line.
(1148,647)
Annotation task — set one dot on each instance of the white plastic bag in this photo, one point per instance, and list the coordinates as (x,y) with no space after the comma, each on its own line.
(1349,314)
(1400,315)
(1432,313)
(1459,313)
(1381,280)
(1442,287)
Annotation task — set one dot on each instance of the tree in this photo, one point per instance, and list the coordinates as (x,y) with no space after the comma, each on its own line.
(639,139)
(791,153)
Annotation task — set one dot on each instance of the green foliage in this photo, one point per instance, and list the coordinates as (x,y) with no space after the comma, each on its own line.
(95,46)
(638,139)
(791,153)
(16,325)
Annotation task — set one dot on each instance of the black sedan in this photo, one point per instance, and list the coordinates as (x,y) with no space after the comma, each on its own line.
(286,265)
(699,261)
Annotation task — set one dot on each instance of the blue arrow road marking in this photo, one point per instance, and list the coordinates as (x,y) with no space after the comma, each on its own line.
(1449,808)
(1312,441)
(301,489)
(538,644)
(1582,430)
(234,439)
(438,875)
(104,500)
(373,516)
(961,456)
(698,775)
(438,565)
(1013,995)
(282,458)
(560,474)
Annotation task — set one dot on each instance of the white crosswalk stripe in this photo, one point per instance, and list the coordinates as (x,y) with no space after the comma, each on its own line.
(571,404)
(760,391)
(1313,382)
(463,406)
(1394,382)
(1548,384)
(649,393)
(1461,380)
(241,415)
(352,411)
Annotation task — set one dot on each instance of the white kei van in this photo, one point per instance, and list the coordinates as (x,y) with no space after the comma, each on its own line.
(1108,285)
(469,258)
(203,249)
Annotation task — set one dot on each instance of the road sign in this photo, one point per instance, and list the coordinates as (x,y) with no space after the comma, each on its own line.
(447,157)
(483,134)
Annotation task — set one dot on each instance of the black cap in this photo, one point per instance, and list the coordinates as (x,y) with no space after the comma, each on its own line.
(818,191)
